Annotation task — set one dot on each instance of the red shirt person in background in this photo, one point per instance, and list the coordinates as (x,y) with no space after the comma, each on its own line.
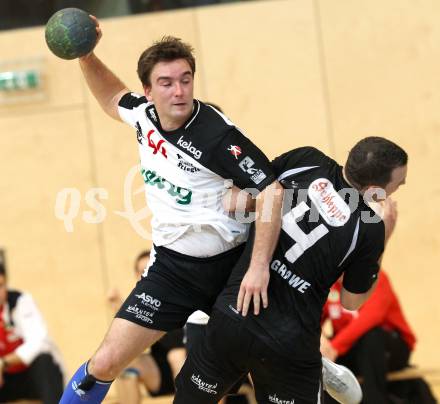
(30,365)
(375,339)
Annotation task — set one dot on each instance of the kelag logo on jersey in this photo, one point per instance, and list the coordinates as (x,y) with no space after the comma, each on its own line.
(247,165)
(183,195)
(189,147)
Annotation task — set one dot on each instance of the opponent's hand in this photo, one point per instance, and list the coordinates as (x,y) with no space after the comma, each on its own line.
(253,287)
(327,349)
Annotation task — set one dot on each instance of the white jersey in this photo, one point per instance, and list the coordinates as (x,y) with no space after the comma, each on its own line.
(186,173)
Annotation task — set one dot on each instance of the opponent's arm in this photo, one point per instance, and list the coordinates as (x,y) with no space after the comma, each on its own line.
(103,83)
(352,301)
(267,230)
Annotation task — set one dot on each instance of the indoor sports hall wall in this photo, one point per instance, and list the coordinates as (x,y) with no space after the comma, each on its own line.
(288,72)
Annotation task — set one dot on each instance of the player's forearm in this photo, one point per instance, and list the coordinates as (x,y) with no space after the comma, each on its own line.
(106,87)
(267,225)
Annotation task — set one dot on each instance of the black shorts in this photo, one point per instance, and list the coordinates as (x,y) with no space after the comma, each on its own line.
(229,352)
(176,285)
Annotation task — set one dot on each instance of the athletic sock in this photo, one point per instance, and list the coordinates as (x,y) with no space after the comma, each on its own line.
(84,388)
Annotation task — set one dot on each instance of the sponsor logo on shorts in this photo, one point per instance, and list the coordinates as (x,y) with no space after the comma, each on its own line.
(149,301)
(186,165)
(201,385)
(140,314)
(274,399)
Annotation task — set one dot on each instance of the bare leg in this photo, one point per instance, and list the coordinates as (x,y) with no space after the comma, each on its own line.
(176,357)
(128,385)
(127,388)
(123,342)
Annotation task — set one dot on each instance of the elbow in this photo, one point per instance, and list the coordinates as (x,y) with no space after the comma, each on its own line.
(351,305)
(353,301)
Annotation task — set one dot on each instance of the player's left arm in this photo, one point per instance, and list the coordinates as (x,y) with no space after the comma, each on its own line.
(267,229)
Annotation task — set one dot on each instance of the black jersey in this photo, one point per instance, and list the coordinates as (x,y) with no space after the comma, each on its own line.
(184,170)
(327,231)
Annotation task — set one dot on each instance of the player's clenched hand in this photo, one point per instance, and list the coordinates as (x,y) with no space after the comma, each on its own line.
(253,288)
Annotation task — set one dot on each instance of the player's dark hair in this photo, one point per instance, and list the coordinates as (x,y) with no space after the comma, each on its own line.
(142,255)
(167,49)
(372,160)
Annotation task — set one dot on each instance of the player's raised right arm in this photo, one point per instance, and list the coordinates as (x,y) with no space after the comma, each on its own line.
(106,87)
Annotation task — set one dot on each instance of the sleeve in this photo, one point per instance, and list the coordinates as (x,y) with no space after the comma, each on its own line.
(128,105)
(237,158)
(31,327)
(300,157)
(372,314)
(361,270)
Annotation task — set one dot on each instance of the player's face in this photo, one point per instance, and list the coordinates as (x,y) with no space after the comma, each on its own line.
(171,91)
(398,178)
(3,290)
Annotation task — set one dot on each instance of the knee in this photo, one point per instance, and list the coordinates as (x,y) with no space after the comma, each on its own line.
(103,366)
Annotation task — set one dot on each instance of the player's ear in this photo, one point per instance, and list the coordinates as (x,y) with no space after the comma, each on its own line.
(147,92)
(374,193)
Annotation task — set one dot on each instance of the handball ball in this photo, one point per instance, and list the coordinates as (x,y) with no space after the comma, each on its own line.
(71,33)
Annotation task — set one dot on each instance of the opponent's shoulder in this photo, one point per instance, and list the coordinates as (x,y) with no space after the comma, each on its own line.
(301,157)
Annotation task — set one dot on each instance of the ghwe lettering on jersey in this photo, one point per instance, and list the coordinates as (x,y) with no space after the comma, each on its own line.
(156,143)
(189,147)
(293,280)
(183,195)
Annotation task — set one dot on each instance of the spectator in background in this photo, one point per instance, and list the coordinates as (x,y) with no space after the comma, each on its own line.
(158,366)
(375,339)
(30,365)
